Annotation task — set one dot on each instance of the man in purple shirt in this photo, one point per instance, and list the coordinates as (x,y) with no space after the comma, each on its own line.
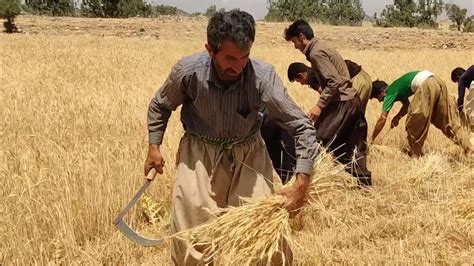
(465,80)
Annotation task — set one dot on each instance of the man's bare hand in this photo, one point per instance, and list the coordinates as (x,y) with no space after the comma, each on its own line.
(296,194)
(154,159)
(314,113)
(395,122)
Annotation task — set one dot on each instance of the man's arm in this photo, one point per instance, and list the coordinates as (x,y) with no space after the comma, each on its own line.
(379,125)
(331,78)
(285,112)
(461,92)
(166,100)
(403,111)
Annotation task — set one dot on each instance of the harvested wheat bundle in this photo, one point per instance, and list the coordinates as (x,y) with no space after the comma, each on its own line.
(384,149)
(430,166)
(260,229)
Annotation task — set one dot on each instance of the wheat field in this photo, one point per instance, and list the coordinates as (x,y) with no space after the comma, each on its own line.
(73,101)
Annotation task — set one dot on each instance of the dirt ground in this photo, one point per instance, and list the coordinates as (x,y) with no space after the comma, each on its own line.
(190,28)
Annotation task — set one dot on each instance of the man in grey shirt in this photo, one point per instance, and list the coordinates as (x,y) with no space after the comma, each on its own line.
(222,156)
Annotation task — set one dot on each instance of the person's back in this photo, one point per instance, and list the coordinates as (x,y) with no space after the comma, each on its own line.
(400,90)
(331,73)
(353,68)
(361,82)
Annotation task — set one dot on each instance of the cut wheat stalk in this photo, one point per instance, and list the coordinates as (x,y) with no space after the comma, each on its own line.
(258,230)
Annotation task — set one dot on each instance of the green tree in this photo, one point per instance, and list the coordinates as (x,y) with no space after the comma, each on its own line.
(280,10)
(468,25)
(428,12)
(50,7)
(210,11)
(337,12)
(403,13)
(164,10)
(9,9)
(93,8)
(130,8)
(115,8)
(344,12)
(456,14)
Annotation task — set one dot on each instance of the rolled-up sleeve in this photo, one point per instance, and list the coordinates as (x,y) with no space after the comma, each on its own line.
(166,100)
(330,75)
(283,110)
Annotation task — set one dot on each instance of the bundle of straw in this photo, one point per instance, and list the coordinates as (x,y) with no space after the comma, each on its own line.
(258,230)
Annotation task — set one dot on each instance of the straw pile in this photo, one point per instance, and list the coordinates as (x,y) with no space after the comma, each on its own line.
(260,229)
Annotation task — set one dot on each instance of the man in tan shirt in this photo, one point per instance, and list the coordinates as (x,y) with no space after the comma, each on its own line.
(338,115)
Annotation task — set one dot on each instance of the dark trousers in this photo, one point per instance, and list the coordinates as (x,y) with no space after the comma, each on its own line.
(281,148)
(342,129)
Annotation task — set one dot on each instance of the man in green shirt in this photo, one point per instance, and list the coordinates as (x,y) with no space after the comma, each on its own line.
(430,103)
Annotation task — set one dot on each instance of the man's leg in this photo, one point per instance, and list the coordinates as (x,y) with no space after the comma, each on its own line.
(445,115)
(195,195)
(328,128)
(419,117)
(359,165)
(469,107)
(343,130)
(354,129)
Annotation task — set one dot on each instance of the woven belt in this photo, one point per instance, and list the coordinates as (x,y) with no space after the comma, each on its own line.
(223,145)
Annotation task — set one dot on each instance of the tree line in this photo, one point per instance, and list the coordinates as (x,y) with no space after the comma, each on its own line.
(402,13)
(335,12)
(423,13)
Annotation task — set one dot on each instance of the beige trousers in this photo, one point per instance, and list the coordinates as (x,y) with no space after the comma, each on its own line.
(432,104)
(363,85)
(240,172)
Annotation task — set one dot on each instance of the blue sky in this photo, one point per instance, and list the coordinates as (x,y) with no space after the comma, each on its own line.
(258,8)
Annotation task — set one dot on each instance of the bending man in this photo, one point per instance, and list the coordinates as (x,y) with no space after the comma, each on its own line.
(431,104)
(338,115)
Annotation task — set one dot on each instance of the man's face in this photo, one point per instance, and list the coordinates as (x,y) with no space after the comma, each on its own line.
(230,60)
(299,42)
(302,78)
(381,96)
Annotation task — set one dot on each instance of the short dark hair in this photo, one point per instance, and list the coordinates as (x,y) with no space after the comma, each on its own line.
(457,73)
(377,87)
(295,68)
(299,26)
(235,25)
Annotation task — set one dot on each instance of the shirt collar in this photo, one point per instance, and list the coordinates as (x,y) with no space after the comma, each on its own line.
(309,46)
